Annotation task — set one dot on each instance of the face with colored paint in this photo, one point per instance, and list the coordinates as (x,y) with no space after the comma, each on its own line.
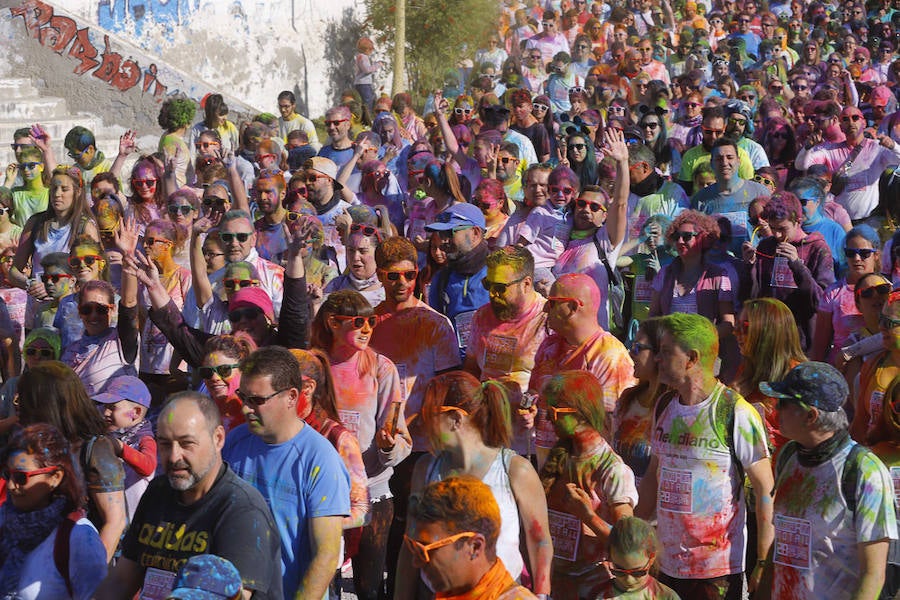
(347,336)
(121,414)
(890,326)
(638,563)
(672,361)
(489,203)
(509,291)
(188,451)
(156,244)
(268,418)
(397,287)
(564,417)
(57,282)
(36,493)
(644,358)
(143,184)
(361,255)
(108,220)
(269,195)
(445,571)
(222,387)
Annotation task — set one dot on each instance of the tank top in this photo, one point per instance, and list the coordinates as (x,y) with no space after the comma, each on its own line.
(497,478)
(57,241)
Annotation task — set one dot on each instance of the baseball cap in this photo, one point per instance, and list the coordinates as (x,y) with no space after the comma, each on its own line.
(325,166)
(458,215)
(813,383)
(253,297)
(126,387)
(206,577)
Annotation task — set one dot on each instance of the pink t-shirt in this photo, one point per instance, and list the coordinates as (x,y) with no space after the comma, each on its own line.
(845,317)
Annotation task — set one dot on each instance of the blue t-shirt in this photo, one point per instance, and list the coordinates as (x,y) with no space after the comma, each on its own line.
(301,479)
(834,236)
(340,157)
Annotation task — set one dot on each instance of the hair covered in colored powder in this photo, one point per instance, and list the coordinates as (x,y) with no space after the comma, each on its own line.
(630,535)
(693,332)
(487,405)
(579,390)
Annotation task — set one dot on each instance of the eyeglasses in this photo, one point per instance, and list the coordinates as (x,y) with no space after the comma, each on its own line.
(617,109)
(887,322)
(554,411)
(241,237)
(409,275)
(335,122)
(712,131)
(76,154)
(684,236)
(496,287)
(314,177)
(149,241)
(258,400)
(778,135)
(862,253)
(853,118)
(298,193)
(565,191)
(17,147)
(240,314)
(239,284)
(744,20)
(43,352)
(21,478)
(219,202)
(594,206)
(859,59)
(183,209)
(650,124)
(508,159)
(143,183)
(366,230)
(692,104)
(27,166)
(463,111)
(882,289)
(210,254)
(358,322)
(223,371)
(617,571)
(91,308)
(559,299)
(205,145)
(737,121)
(420,551)
(78,262)
(292,216)
(764,180)
(54,277)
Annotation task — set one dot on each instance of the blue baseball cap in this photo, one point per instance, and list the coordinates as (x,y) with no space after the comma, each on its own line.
(458,215)
(206,577)
(126,387)
(812,383)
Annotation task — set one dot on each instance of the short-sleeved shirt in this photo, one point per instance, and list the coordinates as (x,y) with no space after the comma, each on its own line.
(301,479)
(700,506)
(839,302)
(816,533)
(231,520)
(547,232)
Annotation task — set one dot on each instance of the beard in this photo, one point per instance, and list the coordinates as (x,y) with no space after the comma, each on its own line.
(503,311)
(182,483)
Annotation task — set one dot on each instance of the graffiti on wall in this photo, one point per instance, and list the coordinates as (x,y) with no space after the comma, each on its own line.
(62,35)
(123,15)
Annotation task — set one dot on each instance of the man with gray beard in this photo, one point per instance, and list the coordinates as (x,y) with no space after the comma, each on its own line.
(198,507)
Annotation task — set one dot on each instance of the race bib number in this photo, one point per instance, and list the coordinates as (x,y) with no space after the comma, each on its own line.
(895,479)
(876,405)
(157,584)
(544,435)
(499,351)
(463,323)
(782,276)
(565,531)
(350,419)
(793,542)
(643,290)
(676,490)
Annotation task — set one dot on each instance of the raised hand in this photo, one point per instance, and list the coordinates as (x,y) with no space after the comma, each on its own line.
(40,137)
(127,235)
(614,145)
(138,265)
(127,144)
(205,223)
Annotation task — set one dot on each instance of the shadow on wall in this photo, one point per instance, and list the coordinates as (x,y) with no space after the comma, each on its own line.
(342,35)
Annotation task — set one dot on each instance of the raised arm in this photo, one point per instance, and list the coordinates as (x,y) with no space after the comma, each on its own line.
(202,287)
(617,216)
(127,146)
(440,107)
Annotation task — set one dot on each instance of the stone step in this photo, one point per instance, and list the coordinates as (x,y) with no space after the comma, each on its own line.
(33,109)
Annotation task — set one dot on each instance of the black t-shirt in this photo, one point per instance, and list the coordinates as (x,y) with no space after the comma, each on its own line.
(232,521)
(537,133)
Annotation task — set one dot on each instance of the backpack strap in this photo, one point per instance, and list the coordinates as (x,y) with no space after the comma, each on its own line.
(61,547)
(723,423)
(850,475)
(662,403)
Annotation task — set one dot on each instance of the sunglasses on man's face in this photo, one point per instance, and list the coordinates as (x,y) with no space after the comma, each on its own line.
(358,322)
(54,277)
(241,237)
(594,206)
(850,118)
(408,275)
(219,203)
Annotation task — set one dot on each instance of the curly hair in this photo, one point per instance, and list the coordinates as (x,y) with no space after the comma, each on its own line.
(706,226)
(176,113)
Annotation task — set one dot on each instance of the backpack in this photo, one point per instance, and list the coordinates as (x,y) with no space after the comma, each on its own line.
(61,546)
(615,296)
(849,476)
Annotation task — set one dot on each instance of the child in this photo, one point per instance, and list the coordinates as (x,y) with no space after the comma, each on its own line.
(59,282)
(632,551)
(32,196)
(124,405)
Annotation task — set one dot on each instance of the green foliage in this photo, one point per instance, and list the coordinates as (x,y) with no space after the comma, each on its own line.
(439,33)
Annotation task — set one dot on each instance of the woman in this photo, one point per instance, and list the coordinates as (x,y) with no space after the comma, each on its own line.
(770,347)
(870,295)
(837,315)
(182,209)
(653,126)
(52,393)
(587,484)
(175,116)
(221,374)
(543,113)
(87,262)
(319,389)
(468,423)
(41,344)
(369,403)
(690,284)
(53,230)
(581,158)
(441,187)
(215,118)
(147,195)
(634,413)
(45,499)
(490,197)
(361,275)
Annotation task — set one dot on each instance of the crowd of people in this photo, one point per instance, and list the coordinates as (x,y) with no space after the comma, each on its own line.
(615,314)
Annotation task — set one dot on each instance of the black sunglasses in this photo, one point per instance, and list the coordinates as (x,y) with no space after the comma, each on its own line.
(863,253)
(358,322)
(223,371)
(240,314)
(43,352)
(882,289)
(241,237)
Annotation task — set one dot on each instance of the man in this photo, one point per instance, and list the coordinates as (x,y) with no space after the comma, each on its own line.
(453,541)
(713,128)
(507,331)
(298,471)
(577,342)
(456,291)
(82,148)
(421,343)
(655,69)
(744,32)
(791,265)
(340,147)
(834,503)
(198,507)
(739,127)
(650,193)
(706,438)
(549,41)
(855,164)
(327,196)
(534,194)
(810,191)
(730,195)
(495,117)
(270,192)
(238,237)
(291,121)
(510,171)
(598,231)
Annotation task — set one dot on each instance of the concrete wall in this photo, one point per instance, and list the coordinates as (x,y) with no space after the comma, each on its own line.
(248,50)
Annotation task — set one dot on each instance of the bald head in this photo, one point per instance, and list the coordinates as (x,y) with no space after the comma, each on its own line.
(581,287)
(190,401)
